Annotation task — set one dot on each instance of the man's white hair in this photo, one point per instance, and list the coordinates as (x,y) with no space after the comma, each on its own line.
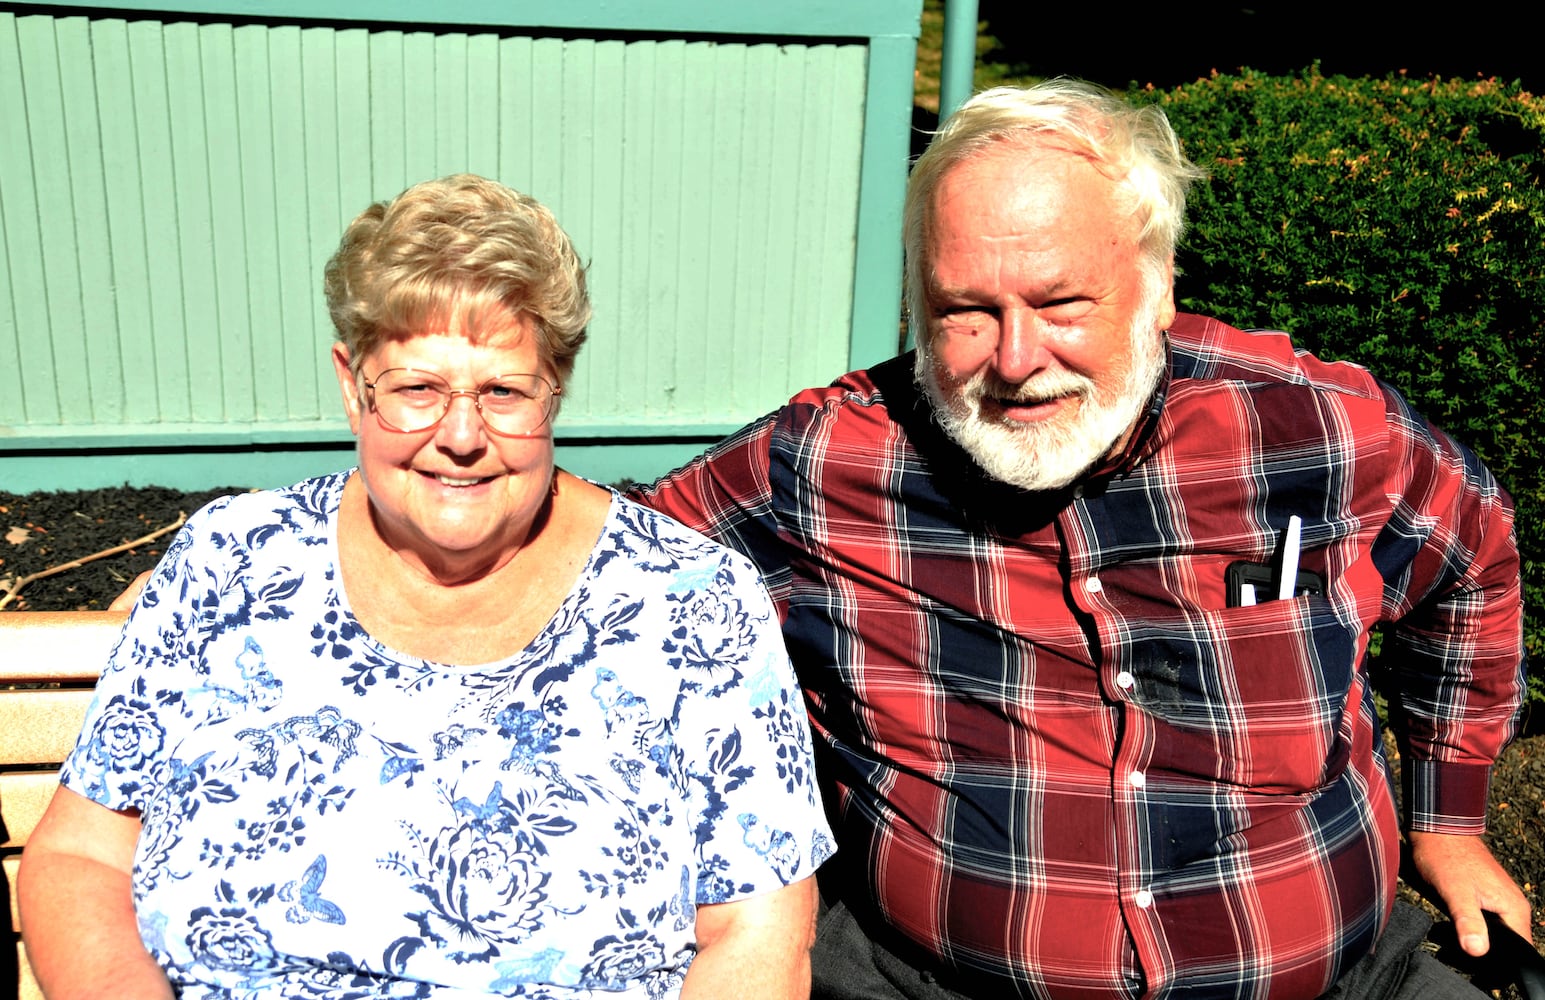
(1132,145)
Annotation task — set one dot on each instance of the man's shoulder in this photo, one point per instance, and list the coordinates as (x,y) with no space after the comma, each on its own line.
(1204,350)
(873,386)
(881,393)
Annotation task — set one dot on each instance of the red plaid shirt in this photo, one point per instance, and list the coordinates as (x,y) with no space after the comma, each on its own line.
(1054,755)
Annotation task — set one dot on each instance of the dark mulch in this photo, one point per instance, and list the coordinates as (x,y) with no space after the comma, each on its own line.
(41,530)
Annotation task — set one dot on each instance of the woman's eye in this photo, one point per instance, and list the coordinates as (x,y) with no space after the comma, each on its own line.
(418,394)
(509,393)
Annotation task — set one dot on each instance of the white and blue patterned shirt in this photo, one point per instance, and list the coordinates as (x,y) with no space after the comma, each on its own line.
(327,817)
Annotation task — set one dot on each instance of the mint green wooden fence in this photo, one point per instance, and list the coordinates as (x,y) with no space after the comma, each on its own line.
(171,185)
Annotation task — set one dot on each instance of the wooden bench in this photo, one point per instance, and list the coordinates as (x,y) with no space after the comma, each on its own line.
(49,661)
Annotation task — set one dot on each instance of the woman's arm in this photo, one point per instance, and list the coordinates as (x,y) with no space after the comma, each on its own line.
(755,947)
(77,910)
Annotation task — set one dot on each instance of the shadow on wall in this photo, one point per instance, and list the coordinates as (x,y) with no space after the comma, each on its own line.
(1353,39)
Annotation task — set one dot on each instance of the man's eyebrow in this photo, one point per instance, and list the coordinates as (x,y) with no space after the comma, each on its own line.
(937,290)
(1057,287)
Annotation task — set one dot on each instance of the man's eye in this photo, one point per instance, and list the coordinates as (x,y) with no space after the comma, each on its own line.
(965,314)
(1063,311)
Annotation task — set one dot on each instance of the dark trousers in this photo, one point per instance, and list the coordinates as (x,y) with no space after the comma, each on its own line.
(849,964)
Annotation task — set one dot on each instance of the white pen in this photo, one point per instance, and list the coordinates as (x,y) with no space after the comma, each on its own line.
(1247,595)
(1290,546)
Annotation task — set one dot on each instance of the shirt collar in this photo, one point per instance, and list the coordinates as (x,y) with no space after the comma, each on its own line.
(1143,442)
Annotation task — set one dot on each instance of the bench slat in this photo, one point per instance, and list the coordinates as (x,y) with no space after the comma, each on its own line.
(40,726)
(23,797)
(11,863)
(56,645)
(63,651)
(26,986)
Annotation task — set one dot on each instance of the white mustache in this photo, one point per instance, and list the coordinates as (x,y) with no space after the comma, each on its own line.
(1043,390)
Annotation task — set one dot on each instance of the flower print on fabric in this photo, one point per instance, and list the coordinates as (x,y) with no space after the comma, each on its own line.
(326,818)
(777,845)
(482,879)
(127,737)
(713,635)
(230,940)
(621,958)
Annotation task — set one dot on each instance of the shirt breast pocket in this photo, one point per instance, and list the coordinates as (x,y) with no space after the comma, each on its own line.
(1251,696)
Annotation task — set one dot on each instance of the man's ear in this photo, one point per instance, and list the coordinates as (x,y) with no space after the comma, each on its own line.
(1167,301)
(348,385)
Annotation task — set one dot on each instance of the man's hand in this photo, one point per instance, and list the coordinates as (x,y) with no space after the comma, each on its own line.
(125,600)
(1461,870)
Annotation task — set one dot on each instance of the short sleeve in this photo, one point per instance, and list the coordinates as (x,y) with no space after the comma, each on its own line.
(745,741)
(141,697)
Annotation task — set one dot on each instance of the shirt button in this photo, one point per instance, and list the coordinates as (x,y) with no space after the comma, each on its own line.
(1078,492)
(1093,585)
(1144,899)
(1137,779)
(1125,680)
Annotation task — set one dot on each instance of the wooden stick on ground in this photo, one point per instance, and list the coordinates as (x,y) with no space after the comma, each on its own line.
(10,595)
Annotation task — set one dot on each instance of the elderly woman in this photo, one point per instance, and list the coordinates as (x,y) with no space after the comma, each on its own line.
(454,723)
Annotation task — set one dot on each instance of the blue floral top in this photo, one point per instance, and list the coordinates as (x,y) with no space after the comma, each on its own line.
(327,817)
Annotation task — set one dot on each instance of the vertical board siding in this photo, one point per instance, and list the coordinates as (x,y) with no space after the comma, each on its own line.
(26,196)
(169,194)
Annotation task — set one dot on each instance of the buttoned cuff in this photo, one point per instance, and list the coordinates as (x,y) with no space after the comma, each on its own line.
(1445,797)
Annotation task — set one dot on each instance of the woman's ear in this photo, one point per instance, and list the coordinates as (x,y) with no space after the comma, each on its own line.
(348,385)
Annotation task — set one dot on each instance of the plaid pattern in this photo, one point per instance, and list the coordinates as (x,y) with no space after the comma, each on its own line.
(1055,756)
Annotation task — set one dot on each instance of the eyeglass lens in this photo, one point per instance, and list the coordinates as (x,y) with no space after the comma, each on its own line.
(407,399)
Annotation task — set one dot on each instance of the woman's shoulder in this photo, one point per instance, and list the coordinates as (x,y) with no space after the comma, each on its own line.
(251,518)
(665,532)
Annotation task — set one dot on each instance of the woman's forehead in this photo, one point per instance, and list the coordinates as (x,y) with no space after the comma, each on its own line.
(485,324)
(457,350)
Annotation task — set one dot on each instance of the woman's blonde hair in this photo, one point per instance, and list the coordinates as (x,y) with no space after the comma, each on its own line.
(461,247)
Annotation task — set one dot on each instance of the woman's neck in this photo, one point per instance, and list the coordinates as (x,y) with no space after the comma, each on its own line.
(463,613)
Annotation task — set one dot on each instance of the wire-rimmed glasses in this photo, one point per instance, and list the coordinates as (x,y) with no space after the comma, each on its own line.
(410,400)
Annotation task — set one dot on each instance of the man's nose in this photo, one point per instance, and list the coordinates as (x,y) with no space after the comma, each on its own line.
(1023,345)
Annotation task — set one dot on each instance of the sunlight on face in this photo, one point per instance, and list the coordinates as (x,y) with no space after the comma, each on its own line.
(1050,454)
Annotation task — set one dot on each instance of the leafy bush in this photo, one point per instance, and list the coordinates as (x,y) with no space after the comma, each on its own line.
(1393,222)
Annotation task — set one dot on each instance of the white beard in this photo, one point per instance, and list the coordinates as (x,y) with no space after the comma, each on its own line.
(1048,454)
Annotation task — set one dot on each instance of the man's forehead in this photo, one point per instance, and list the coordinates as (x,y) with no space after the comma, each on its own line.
(1009,189)
(1027,167)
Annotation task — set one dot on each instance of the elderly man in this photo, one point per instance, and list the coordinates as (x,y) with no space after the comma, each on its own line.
(1082,597)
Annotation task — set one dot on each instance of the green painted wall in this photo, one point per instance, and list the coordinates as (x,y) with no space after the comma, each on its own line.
(170,188)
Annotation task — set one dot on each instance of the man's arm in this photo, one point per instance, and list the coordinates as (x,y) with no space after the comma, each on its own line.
(755,947)
(1463,873)
(125,601)
(1457,663)
(77,908)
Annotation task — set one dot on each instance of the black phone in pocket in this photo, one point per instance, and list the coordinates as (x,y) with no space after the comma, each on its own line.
(1261,581)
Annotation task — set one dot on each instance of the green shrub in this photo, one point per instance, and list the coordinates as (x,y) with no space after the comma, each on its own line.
(1393,222)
